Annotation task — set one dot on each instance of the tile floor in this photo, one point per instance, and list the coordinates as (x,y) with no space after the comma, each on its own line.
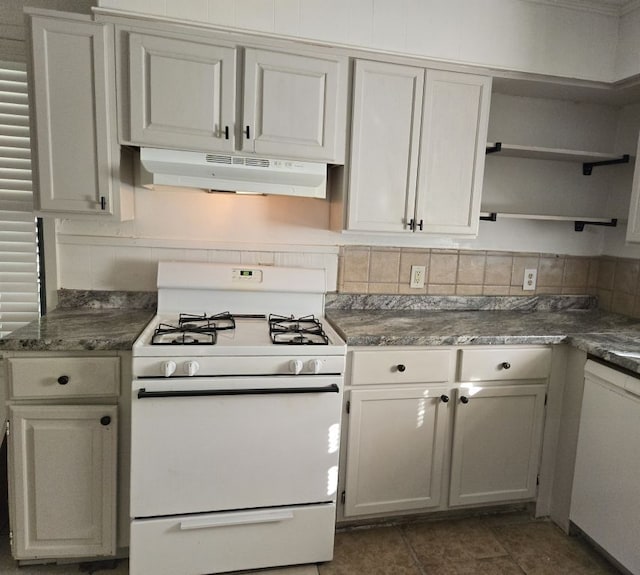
(498,544)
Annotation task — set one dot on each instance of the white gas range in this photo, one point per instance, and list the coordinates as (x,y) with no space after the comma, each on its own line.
(236,409)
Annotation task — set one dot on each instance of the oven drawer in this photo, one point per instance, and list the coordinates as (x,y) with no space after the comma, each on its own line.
(219,542)
(63,377)
(504,363)
(400,366)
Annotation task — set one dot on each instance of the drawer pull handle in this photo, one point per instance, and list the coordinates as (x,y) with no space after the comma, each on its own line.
(401,367)
(464,399)
(63,379)
(105,420)
(444,398)
(505,365)
(242,518)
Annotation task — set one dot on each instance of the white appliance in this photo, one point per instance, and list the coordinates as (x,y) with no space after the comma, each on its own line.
(235,422)
(605,502)
(235,173)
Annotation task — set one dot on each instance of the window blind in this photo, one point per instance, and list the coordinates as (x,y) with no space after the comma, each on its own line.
(19,286)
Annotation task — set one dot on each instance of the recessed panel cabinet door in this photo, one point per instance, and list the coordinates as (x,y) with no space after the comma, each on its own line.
(294,105)
(385,139)
(62,478)
(182,93)
(497,437)
(396,449)
(72,94)
(452,152)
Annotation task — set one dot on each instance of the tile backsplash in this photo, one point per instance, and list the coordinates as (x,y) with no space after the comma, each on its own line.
(380,270)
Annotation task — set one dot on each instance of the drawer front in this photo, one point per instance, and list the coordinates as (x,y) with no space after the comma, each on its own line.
(400,366)
(43,377)
(221,542)
(504,364)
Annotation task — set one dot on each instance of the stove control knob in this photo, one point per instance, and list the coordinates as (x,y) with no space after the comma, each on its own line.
(191,367)
(168,368)
(295,365)
(315,365)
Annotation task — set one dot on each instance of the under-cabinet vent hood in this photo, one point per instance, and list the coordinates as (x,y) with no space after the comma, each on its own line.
(232,173)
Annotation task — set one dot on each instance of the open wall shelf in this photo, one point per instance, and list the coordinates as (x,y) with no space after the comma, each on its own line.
(579,222)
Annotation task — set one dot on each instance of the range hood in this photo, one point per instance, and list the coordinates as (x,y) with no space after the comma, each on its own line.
(232,173)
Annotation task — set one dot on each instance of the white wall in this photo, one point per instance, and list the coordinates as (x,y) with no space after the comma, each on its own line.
(519,35)
(628,52)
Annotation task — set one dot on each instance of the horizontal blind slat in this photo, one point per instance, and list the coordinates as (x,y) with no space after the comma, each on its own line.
(7,119)
(13,97)
(15,142)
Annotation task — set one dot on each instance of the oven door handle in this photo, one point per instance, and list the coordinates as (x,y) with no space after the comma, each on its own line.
(144,394)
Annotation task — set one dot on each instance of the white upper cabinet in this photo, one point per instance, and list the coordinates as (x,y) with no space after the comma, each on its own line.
(294,105)
(76,158)
(417,150)
(633,227)
(182,93)
(187,92)
(385,142)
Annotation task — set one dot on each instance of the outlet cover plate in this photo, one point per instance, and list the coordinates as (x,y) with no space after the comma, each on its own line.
(417,276)
(530,278)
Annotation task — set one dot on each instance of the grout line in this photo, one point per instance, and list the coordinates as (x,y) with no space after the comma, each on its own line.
(412,553)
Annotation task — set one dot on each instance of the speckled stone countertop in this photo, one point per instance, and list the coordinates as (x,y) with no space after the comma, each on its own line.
(612,337)
(98,324)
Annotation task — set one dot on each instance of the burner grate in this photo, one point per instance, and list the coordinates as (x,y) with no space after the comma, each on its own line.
(305,330)
(203,335)
(217,322)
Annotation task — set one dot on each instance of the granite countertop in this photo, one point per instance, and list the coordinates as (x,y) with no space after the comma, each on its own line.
(612,337)
(80,329)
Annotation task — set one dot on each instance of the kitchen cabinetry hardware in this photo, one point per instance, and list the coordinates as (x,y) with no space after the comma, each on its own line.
(63,379)
(490,217)
(103,203)
(497,147)
(587,167)
(580,224)
(464,399)
(247,132)
(105,420)
(401,367)
(226,132)
(444,398)
(144,394)
(505,365)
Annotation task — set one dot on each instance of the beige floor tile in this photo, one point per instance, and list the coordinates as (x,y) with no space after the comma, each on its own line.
(543,549)
(443,542)
(380,551)
(491,566)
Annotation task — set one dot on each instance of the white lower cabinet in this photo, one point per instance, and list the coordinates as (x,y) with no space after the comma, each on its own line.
(419,438)
(396,447)
(63,450)
(497,437)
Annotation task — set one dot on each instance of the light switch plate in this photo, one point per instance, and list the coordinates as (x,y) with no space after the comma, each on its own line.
(417,276)
(530,278)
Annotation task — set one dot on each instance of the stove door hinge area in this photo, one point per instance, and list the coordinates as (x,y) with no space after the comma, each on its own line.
(348,407)
(343,497)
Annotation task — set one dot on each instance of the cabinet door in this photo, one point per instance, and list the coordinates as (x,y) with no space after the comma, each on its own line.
(62,477)
(385,138)
(497,437)
(73,92)
(452,152)
(633,227)
(294,106)
(395,451)
(182,93)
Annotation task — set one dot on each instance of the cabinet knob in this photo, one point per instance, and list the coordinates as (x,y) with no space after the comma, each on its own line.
(464,399)
(444,398)
(401,367)
(63,379)
(505,365)
(105,420)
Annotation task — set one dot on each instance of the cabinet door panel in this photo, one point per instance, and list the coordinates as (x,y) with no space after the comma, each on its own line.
(182,93)
(62,478)
(454,135)
(633,227)
(294,105)
(71,99)
(384,146)
(396,446)
(497,437)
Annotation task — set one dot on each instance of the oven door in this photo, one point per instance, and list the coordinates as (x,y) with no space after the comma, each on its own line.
(211,444)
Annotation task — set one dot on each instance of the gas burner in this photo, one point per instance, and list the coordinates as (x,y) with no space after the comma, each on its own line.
(305,330)
(217,322)
(166,334)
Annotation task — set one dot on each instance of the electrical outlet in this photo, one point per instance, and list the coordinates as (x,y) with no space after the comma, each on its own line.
(417,276)
(530,277)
